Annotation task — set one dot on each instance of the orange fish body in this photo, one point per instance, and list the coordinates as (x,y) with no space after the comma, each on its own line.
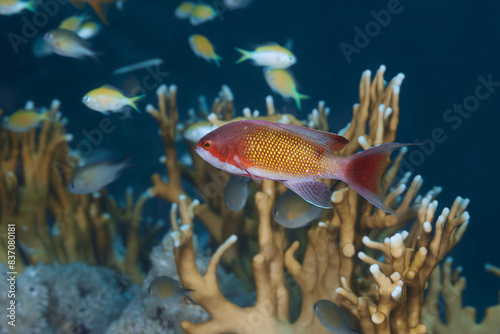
(296,156)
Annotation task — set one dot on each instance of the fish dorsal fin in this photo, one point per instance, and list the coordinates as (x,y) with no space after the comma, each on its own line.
(111,87)
(329,141)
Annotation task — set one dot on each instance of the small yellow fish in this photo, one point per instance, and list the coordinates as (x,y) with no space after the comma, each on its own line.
(96,5)
(282,82)
(24,120)
(67,43)
(168,288)
(202,47)
(11,7)
(73,23)
(107,98)
(89,30)
(184,10)
(272,56)
(202,14)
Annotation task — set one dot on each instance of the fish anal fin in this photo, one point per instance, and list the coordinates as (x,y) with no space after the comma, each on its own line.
(312,191)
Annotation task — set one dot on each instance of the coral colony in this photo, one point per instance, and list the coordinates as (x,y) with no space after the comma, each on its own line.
(85,263)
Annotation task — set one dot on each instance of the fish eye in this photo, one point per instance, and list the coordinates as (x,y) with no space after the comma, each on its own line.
(207,145)
(290,57)
(72,185)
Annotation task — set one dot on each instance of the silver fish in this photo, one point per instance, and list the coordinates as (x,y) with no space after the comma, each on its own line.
(94,176)
(68,44)
(169,289)
(236,192)
(292,211)
(333,318)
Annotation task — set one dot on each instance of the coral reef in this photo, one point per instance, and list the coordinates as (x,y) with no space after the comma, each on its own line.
(74,298)
(385,294)
(54,225)
(149,314)
(445,292)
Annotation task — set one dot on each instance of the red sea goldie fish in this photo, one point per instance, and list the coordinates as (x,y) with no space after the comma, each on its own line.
(296,156)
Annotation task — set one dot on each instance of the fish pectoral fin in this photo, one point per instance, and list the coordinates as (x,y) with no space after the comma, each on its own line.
(250,175)
(314,192)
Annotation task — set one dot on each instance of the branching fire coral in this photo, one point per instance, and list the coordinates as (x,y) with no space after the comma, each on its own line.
(382,287)
(54,225)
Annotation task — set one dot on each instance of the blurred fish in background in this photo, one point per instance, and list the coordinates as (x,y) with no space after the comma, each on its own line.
(292,211)
(108,99)
(236,192)
(11,7)
(333,317)
(237,4)
(170,289)
(94,176)
(201,14)
(270,55)
(67,43)
(203,48)
(282,82)
(184,10)
(25,119)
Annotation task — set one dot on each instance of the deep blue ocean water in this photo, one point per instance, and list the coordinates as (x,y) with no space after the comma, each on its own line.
(444,49)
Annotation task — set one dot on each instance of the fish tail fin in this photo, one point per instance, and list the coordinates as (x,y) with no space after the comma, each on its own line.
(364,173)
(298,97)
(132,101)
(30,6)
(96,5)
(245,55)
(186,294)
(217,60)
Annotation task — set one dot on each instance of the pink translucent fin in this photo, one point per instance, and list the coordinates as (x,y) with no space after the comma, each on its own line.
(314,192)
(365,172)
(327,140)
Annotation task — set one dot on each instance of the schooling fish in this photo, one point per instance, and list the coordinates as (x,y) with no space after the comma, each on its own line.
(184,10)
(333,318)
(170,289)
(24,120)
(271,56)
(73,23)
(202,48)
(89,30)
(107,98)
(94,176)
(236,192)
(202,14)
(11,7)
(282,82)
(291,211)
(197,130)
(296,156)
(68,44)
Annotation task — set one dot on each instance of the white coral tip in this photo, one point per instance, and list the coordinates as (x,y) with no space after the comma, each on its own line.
(69,137)
(185,228)
(162,90)
(233,238)
(362,141)
(150,108)
(427,227)
(396,293)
